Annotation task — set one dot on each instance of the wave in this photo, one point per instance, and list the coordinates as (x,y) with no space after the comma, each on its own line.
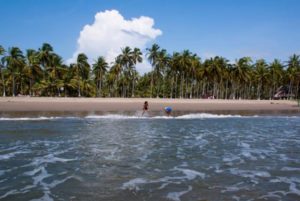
(206,116)
(34,118)
(187,116)
(138,116)
(115,116)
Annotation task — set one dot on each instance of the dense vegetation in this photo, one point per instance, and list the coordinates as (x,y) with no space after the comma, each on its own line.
(42,72)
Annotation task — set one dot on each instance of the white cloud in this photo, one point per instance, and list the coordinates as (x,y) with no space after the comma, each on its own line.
(110,32)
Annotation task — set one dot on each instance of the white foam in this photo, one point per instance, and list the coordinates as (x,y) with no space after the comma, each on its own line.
(11,192)
(12,154)
(236,198)
(190,174)
(46,197)
(50,158)
(294,189)
(39,178)
(231,189)
(57,182)
(176,195)
(244,145)
(7,156)
(231,158)
(33,118)
(206,116)
(14,191)
(33,172)
(114,116)
(187,116)
(139,116)
(250,173)
(291,181)
(247,154)
(290,169)
(133,183)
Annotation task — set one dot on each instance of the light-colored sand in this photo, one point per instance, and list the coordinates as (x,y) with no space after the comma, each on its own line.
(21,104)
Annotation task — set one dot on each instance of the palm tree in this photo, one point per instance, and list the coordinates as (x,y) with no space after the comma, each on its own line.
(174,71)
(152,58)
(160,69)
(82,66)
(195,65)
(240,75)
(116,71)
(44,55)
(55,72)
(99,69)
(184,64)
(15,61)
(261,74)
(276,72)
(228,78)
(292,71)
(111,78)
(32,68)
(2,51)
(126,60)
(71,81)
(215,67)
(137,58)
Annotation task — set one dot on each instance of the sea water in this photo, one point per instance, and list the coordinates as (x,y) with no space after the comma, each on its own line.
(128,157)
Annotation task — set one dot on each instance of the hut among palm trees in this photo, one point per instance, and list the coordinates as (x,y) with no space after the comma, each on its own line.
(283,93)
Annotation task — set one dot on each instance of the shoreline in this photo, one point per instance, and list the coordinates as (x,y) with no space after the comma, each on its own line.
(62,104)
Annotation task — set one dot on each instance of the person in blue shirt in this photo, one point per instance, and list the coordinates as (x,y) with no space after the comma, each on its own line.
(168,110)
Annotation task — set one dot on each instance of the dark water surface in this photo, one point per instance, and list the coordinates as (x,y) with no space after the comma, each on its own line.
(117,157)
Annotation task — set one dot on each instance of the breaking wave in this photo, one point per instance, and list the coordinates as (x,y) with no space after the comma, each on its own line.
(138,116)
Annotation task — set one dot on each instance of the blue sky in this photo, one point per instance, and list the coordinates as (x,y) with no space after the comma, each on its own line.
(231,28)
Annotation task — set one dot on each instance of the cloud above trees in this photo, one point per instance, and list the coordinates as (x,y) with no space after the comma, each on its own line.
(110,32)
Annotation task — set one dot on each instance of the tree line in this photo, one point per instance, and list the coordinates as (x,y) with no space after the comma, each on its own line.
(183,74)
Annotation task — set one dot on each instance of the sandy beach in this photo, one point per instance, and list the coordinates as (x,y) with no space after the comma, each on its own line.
(44,104)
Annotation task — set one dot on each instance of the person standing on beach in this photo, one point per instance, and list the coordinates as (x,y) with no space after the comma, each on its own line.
(145,107)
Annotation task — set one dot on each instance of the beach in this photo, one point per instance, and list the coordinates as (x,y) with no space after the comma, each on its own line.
(61,104)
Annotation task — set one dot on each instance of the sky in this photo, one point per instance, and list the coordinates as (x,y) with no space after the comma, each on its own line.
(230,28)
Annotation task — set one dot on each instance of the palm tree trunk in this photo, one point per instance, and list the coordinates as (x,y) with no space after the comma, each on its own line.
(132,93)
(186,88)
(226,89)
(198,89)
(79,88)
(13,85)
(164,84)
(176,85)
(181,86)
(3,84)
(203,88)
(152,82)
(97,88)
(100,85)
(30,87)
(234,90)
(191,94)
(290,88)
(172,87)
(297,90)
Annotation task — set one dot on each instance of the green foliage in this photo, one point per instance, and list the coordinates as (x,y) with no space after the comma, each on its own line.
(42,72)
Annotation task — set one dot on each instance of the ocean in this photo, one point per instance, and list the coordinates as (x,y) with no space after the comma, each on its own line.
(198,156)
